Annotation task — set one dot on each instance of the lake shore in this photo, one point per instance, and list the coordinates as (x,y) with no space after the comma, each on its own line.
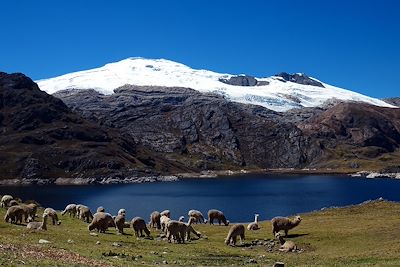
(195,175)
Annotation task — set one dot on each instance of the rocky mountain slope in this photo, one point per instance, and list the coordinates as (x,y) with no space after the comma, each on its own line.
(152,131)
(206,131)
(280,92)
(42,139)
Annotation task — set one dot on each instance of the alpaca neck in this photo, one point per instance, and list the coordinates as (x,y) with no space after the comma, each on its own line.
(256,218)
(44,223)
(281,240)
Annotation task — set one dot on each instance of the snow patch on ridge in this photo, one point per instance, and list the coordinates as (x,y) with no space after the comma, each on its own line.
(276,95)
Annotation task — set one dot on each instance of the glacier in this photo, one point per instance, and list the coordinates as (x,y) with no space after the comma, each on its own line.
(273,92)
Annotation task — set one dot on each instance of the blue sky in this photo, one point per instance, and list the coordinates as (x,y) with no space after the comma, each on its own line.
(353,44)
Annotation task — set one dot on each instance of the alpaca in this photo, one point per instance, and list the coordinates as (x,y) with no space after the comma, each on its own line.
(254,225)
(29,211)
(166,213)
(219,215)
(119,221)
(155,220)
(5,200)
(38,225)
(85,213)
(139,225)
(71,209)
(197,215)
(286,246)
(101,221)
(234,232)
(53,215)
(14,214)
(177,230)
(101,209)
(284,223)
(163,221)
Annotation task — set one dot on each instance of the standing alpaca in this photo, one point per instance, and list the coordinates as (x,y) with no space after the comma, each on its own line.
(197,215)
(163,221)
(219,215)
(71,209)
(5,200)
(284,223)
(14,214)
(155,220)
(53,215)
(139,225)
(254,225)
(286,246)
(234,232)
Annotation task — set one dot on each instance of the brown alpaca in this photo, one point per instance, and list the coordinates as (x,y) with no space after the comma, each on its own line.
(234,232)
(139,226)
(219,215)
(155,220)
(284,223)
(14,214)
(101,221)
(120,222)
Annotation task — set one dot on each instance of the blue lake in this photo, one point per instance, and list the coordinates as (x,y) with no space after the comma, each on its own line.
(238,197)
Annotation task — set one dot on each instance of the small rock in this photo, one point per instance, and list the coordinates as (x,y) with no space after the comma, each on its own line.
(98,243)
(279,264)
(44,241)
(165,262)
(115,244)
(251,261)
(70,241)
(93,234)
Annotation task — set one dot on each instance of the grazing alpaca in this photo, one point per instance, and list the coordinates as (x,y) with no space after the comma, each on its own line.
(53,215)
(163,221)
(101,221)
(234,232)
(197,215)
(38,225)
(254,225)
(71,209)
(155,220)
(85,213)
(5,200)
(286,246)
(14,214)
(119,221)
(216,214)
(284,223)
(139,225)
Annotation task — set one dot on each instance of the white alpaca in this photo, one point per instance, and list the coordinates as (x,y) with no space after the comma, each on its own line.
(254,225)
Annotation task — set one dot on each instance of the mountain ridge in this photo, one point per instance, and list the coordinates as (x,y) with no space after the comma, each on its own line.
(280,92)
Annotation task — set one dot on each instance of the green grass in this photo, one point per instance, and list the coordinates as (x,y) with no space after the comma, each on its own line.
(361,235)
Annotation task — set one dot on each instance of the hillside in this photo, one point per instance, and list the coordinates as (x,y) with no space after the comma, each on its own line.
(42,140)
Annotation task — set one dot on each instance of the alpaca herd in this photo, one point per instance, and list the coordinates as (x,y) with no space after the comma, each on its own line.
(174,230)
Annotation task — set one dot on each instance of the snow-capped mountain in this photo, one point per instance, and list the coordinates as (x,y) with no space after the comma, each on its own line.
(279,93)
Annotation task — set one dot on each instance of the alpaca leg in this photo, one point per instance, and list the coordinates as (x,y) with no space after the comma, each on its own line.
(286,232)
(242,239)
